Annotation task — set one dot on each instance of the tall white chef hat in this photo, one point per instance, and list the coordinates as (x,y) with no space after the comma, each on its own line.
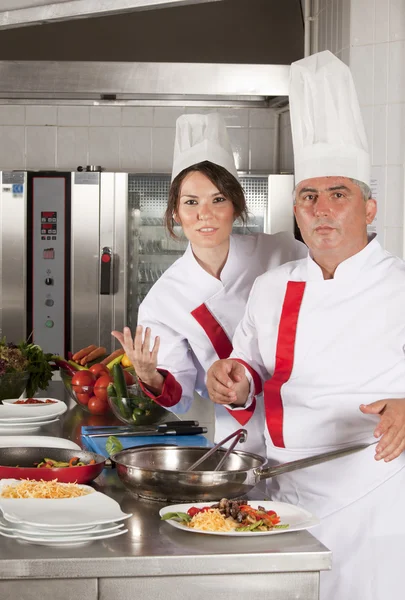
(327,127)
(199,138)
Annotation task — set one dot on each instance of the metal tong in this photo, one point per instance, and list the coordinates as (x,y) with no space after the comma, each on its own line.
(240,435)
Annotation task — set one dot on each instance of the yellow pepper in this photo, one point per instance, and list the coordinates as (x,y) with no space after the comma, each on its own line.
(125,362)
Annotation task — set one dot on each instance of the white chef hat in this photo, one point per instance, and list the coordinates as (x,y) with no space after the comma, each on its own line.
(327,127)
(200,138)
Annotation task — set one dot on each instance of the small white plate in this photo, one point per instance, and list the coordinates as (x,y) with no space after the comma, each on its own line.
(297,518)
(30,531)
(37,424)
(22,411)
(64,541)
(37,441)
(17,430)
(93,509)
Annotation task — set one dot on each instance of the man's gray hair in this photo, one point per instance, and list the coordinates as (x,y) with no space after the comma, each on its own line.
(365,189)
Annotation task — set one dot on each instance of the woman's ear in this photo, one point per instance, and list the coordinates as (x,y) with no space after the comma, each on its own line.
(176,219)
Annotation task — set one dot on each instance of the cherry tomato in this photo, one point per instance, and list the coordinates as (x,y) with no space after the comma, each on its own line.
(83,398)
(83,378)
(99,370)
(100,388)
(193,511)
(97,406)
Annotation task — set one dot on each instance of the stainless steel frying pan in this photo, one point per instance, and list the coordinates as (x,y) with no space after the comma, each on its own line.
(159,472)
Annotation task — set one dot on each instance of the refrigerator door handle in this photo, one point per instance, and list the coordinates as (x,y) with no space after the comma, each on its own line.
(105,271)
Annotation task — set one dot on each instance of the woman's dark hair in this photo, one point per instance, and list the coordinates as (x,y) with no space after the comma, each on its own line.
(226,183)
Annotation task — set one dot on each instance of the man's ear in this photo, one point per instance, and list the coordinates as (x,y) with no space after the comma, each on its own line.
(371,210)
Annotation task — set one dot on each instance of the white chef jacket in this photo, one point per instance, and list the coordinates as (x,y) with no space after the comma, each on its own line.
(323,347)
(195,316)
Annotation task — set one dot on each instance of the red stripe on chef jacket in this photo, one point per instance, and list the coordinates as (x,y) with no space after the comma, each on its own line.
(223,348)
(287,330)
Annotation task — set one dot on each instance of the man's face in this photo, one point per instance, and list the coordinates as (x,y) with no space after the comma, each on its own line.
(332,215)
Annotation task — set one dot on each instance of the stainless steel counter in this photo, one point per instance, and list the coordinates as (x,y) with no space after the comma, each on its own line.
(154,560)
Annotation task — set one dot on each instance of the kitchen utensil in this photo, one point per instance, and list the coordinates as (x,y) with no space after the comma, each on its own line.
(26,458)
(153,433)
(146,428)
(240,436)
(160,472)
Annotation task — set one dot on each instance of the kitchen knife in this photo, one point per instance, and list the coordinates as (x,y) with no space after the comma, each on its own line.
(151,433)
(145,428)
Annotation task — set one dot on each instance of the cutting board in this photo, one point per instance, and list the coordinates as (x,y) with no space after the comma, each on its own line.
(97,444)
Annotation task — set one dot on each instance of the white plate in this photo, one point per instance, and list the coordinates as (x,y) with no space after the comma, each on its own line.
(93,509)
(37,441)
(17,429)
(61,542)
(22,411)
(30,531)
(37,424)
(297,518)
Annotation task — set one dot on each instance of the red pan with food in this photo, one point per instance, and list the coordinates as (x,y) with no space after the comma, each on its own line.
(20,463)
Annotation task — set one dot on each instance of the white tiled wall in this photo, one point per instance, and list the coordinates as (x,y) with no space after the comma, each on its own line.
(121,138)
(374,47)
(370,37)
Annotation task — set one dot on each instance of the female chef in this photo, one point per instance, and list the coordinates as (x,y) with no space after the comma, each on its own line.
(195,306)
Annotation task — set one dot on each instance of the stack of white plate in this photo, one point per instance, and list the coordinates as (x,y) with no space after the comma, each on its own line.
(27,418)
(61,522)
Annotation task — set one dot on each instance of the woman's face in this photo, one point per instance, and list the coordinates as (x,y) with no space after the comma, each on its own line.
(205,215)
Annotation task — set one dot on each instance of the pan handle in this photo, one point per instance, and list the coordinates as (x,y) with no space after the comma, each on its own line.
(275,470)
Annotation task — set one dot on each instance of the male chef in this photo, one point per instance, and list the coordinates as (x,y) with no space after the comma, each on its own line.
(327,345)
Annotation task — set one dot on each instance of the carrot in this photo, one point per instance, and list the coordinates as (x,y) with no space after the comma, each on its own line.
(113,355)
(93,355)
(83,352)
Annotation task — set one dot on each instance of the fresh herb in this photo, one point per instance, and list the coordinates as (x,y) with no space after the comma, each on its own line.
(181,516)
(26,358)
(39,368)
(281,526)
(113,445)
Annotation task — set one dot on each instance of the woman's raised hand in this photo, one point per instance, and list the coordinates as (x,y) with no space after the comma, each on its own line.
(139,352)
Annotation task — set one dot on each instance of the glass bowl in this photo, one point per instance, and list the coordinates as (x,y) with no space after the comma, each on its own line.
(12,385)
(137,408)
(85,397)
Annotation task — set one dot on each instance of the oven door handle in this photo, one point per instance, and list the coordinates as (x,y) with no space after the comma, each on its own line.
(105,271)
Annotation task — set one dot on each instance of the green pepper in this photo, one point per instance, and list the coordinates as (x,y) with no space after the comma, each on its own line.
(251,527)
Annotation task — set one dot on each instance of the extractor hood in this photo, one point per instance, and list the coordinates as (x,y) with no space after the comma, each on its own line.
(143,83)
(20,13)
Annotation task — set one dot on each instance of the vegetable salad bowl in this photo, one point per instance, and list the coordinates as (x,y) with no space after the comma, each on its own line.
(136,408)
(12,385)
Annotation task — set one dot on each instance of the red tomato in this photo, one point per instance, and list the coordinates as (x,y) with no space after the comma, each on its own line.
(97,406)
(99,370)
(100,388)
(83,398)
(83,378)
(129,379)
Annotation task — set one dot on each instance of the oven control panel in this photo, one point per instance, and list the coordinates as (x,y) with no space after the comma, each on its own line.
(48,263)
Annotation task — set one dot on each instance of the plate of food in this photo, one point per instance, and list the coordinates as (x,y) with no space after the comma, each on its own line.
(31,408)
(58,505)
(238,517)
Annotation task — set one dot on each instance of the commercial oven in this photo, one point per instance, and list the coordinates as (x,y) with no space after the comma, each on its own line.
(80,250)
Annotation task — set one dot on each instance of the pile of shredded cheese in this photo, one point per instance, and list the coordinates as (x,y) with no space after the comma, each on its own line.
(43,489)
(212,520)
